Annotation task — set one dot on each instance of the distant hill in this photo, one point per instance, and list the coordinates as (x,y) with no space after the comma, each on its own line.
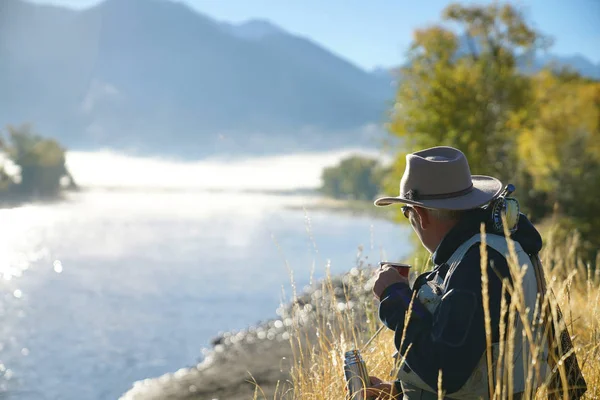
(156,77)
(577,62)
(529,64)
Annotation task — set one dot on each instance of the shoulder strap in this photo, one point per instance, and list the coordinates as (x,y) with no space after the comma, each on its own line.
(494,241)
(459,254)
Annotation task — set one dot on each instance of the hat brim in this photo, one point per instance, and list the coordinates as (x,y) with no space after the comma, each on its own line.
(485,189)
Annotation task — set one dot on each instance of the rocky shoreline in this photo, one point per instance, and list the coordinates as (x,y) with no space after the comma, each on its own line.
(258,359)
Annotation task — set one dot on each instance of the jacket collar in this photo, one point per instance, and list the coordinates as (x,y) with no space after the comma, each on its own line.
(468,226)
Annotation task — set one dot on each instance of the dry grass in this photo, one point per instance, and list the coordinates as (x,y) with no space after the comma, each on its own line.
(343,322)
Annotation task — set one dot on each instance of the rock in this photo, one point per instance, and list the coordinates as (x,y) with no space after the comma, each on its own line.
(217,340)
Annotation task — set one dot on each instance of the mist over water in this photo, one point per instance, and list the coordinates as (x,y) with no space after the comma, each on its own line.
(282,172)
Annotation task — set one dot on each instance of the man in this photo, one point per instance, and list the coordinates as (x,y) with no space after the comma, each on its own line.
(446,330)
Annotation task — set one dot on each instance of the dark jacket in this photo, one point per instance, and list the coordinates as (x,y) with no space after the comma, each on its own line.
(453,338)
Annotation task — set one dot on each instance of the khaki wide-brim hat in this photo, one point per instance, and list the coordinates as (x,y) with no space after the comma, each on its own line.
(440,178)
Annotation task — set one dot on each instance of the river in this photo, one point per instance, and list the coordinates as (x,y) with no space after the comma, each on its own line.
(132,277)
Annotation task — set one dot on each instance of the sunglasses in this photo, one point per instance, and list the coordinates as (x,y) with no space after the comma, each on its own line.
(405,209)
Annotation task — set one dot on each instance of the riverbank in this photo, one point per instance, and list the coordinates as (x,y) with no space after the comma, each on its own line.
(14,200)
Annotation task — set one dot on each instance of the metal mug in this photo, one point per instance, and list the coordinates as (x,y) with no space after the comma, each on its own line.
(403,269)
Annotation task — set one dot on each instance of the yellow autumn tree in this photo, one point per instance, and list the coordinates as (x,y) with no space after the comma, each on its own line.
(461,88)
(564,109)
(559,143)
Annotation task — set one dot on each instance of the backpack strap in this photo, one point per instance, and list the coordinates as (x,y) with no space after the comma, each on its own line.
(459,254)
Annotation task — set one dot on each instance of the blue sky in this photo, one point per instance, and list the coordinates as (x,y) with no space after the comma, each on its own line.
(373,33)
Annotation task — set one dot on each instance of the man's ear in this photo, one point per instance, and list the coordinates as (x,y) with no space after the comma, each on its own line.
(423,217)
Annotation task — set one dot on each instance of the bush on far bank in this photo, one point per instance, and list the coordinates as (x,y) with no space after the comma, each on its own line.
(31,166)
(354,178)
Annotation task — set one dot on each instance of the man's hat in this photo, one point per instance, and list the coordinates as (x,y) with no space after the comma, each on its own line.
(440,178)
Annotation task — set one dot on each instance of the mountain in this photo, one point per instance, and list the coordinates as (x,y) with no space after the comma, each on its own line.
(576,62)
(253,29)
(528,64)
(154,76)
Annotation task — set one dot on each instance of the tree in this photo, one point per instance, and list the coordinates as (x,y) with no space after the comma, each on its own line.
(355,177)
(463,89)
(41,162)
(540,132)
(565,108)
(559,139)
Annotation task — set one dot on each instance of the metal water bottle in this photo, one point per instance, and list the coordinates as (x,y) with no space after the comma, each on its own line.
(355,371)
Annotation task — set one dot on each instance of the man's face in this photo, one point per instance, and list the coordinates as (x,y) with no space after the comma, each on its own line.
(414,219)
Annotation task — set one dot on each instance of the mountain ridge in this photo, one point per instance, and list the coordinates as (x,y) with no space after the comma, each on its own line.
(158,77)
(155,76)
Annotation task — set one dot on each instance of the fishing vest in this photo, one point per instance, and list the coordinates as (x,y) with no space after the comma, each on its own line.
(476,386)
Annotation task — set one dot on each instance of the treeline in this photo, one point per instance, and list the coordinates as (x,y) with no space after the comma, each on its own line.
(462,87)
(32,167)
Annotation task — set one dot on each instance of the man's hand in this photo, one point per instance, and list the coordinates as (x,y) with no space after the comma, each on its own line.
(378,390)
(386,276)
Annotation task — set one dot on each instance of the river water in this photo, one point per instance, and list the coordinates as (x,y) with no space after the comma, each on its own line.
(115,285)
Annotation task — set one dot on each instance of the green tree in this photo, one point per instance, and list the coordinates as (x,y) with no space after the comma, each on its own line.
(355,177)
(41,162)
